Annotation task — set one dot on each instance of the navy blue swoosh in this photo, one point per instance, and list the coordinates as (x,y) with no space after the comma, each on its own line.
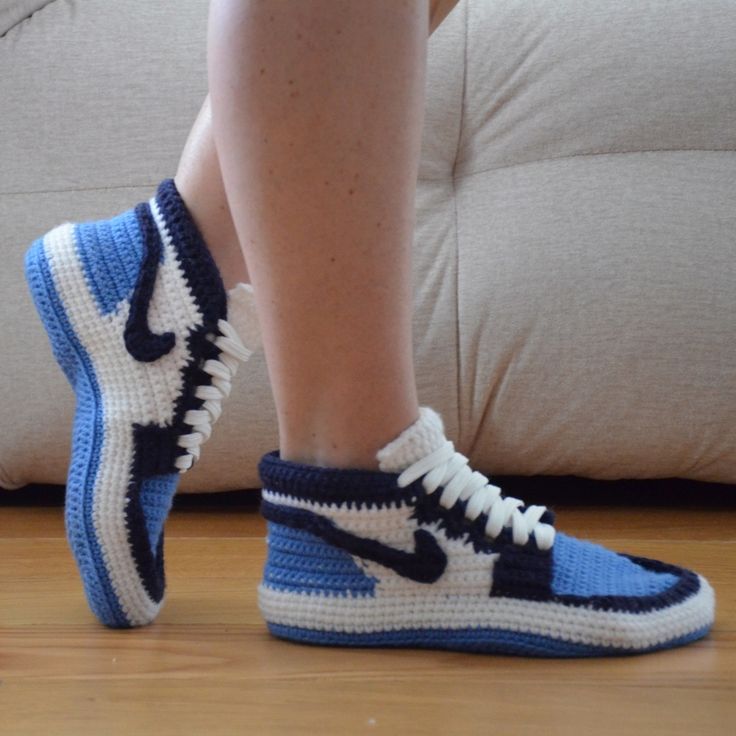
(424,565)
(141,343)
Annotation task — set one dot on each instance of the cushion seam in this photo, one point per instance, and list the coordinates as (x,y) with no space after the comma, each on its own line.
(149,185)
(594,153)
(458,355)
(24,18)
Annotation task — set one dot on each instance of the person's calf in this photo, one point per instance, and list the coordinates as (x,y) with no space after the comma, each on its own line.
(199,181)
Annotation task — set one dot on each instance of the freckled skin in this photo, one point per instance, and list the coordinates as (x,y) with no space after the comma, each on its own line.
(199,175)
(334,300)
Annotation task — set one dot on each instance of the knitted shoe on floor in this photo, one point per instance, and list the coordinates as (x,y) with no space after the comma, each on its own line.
(135,311)
(436,557)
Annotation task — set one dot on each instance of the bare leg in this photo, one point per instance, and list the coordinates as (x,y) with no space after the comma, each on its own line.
(317,116)
(199,181)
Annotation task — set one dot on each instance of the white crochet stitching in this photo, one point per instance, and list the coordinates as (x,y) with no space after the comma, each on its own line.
(448,468)
(222,370)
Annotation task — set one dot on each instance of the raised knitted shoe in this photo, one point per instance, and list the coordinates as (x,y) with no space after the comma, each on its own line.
(135,311)
(436,557)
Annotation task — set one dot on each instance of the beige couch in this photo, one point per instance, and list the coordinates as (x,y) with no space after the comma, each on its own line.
(575,255)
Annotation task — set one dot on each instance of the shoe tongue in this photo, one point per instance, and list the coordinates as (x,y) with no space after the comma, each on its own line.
(420,439)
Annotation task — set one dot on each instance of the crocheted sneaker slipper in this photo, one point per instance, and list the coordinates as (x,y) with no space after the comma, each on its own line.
(435,556)
(135,311)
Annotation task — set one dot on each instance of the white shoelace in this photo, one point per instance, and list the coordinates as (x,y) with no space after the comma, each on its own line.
(222,369)
(448,468)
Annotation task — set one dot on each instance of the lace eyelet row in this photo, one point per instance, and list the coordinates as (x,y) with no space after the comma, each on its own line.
(449,469)
(222,370)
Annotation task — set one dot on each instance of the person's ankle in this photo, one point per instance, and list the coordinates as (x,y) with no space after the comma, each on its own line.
(331,456)
(373,450)
(218,233)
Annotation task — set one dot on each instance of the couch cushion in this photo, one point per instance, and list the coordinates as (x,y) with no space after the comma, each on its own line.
(597,239)
(575,240)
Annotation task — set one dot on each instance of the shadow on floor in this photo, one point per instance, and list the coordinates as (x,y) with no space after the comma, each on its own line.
(546,490)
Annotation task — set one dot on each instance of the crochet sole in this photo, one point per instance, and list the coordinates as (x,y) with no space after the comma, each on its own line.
(99,590)
(493,625)
(480,640)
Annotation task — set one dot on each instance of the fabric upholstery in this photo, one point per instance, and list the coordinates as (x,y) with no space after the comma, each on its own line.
(574,261)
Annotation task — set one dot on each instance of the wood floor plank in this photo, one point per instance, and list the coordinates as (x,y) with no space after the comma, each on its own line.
(208,665)
(482,703)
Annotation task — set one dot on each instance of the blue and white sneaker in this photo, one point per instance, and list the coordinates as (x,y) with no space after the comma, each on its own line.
(135,310)
(436,557)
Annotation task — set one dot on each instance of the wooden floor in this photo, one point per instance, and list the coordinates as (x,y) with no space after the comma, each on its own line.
(209,667)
